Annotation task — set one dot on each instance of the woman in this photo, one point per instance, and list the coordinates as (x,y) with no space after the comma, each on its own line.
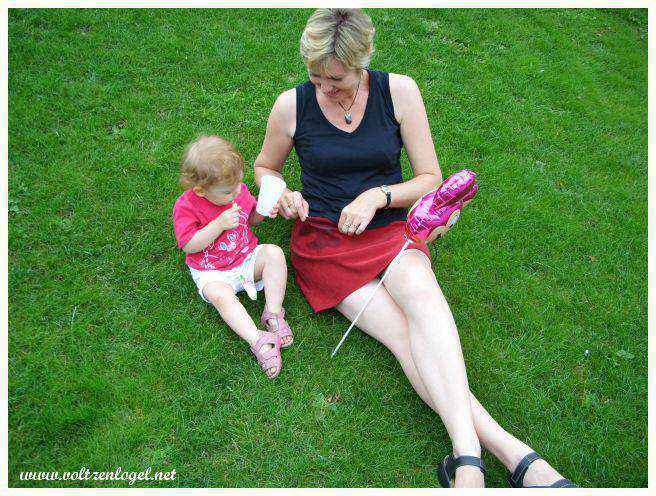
(348,125)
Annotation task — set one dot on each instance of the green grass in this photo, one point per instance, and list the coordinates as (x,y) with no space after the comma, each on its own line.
(115,361)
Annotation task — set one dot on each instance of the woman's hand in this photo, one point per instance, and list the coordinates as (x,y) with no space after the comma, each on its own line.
(291,205)
(356,215)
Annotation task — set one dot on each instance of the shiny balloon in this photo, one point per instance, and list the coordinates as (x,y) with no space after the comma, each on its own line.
(438,210)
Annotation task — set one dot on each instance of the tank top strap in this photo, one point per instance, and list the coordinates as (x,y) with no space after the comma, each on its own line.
(303,95)
(381,80)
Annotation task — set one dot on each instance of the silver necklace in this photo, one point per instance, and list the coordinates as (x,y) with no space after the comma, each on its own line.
(347,112)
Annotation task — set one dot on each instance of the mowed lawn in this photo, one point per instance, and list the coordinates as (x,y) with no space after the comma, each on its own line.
(114,361)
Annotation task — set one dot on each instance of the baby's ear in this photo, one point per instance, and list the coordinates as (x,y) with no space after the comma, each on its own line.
(198,190)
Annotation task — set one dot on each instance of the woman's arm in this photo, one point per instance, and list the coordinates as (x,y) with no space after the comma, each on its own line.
(278,142)
(410,113)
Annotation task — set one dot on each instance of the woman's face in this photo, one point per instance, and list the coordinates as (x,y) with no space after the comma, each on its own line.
(337,83)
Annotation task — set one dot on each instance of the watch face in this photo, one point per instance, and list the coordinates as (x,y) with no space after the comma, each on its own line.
(388,193)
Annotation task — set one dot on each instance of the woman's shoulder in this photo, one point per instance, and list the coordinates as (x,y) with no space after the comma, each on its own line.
(285,105)
(283,112)
(401,82)
(400,85)
(405,95)
(286,100)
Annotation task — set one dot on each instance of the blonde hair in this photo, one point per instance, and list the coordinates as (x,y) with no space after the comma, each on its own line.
(346,34)
(209,161)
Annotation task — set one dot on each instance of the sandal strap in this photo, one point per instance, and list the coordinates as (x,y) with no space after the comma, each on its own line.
(266,315)
(269,362)
(454,463)
(268,358)
(516,479)
(266,338)
(283,330)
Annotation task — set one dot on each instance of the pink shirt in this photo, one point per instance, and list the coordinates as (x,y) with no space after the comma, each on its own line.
(192,212)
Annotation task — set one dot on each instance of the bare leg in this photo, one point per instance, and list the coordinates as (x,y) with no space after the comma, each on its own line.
(223,297)
(271,267)
(413,295)
(435,350)
(385,321)
(508,449)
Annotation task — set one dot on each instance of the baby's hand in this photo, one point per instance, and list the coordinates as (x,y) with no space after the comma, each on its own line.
(230,218)
(274,211)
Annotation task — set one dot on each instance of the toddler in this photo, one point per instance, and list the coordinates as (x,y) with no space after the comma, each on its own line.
(212,223)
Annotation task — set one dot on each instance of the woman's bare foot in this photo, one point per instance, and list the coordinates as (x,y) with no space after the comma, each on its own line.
(540,473)
(469,476)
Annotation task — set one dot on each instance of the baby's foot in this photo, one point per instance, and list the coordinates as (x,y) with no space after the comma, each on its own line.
(270,372)
(272,325)
(267,352)
(275,322)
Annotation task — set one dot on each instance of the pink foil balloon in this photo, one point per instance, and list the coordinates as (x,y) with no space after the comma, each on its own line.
(438,210)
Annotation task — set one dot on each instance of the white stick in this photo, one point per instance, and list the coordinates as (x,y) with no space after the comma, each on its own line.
(394,262)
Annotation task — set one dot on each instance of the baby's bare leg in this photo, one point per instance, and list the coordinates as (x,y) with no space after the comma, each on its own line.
(223,297)
(271,267)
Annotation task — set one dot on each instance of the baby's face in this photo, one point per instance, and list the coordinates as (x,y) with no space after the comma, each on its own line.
(219,195)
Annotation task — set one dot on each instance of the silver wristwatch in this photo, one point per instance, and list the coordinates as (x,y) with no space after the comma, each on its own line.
(388,193)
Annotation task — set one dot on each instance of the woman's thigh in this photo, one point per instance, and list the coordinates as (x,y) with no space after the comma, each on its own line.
(412,285)
(383,319)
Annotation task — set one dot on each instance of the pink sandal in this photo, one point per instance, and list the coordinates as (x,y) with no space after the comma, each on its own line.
(283,329)
(268,358)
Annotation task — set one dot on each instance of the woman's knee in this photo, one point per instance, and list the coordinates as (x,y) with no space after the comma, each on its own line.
(415,288)
(420,299)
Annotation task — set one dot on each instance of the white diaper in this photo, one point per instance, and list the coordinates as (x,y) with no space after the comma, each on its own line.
(240,277)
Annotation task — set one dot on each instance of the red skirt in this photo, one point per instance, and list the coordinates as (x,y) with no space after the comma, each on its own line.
(330,265)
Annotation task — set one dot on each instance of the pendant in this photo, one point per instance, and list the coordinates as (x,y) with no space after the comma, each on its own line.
(348,118)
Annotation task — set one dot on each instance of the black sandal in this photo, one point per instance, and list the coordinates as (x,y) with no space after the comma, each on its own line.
(516,479)
(447,469)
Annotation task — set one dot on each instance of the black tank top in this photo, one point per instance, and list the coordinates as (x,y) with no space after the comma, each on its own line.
(336,166)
